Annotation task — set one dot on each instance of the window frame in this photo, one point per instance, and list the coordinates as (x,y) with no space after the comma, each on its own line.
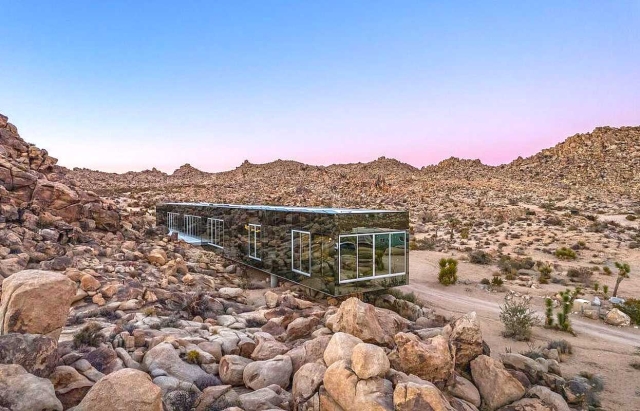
(172,224)
(188,227)
(212,225)
(254,256)
(308,274)
(373,276)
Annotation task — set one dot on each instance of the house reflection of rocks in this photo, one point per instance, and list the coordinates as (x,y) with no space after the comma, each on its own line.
(335,251)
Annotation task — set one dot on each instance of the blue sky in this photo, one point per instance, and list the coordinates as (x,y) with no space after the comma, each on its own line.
(123,86)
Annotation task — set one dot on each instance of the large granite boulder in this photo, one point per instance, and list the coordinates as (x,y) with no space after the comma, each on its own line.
(164,357)
(496,385)
(21,391)
(431,359)
(36,302)
(36,353)
(123,390)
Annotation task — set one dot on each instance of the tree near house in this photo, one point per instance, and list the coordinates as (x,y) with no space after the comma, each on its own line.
(623,272)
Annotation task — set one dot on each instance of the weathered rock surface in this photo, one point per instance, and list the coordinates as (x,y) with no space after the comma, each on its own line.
(123,390)
(21,391)
(488,374)
(36,353)
(35,302)
(430,360)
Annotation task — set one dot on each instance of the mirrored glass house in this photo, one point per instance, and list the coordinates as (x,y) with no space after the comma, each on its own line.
(331,250)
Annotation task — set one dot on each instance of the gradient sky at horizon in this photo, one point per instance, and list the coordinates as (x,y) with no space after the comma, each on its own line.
(121,86)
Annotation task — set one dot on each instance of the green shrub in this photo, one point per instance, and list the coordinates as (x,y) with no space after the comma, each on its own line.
(565,253)
(448,271)
(631,217)
(485,281)
(497,281)
(518,317)
(193,357)
(479,257)
(631,307)
(563,346)
(89,335)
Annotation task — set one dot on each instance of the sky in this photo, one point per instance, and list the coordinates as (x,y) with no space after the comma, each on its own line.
(122,85)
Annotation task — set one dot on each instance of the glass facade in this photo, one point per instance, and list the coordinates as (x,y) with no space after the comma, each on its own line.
(334,251)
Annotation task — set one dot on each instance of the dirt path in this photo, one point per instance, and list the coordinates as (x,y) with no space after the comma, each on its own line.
(462,303)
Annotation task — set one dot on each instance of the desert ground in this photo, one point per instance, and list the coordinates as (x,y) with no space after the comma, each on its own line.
(598,348)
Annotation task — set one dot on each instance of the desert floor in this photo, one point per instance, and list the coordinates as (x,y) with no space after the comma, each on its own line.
(598,348)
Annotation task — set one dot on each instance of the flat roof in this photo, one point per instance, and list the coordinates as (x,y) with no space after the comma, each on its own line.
(293,209)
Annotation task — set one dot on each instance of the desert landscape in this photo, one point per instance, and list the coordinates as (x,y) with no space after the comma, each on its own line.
(100,309)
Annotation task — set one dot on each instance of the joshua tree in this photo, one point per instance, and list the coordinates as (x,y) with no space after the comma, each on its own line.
(623,272)
(453,224)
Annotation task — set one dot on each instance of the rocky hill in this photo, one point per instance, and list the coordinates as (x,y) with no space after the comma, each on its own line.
(608,158)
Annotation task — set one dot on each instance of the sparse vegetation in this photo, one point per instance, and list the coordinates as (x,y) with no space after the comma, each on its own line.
(193,357)
(563,346)
(448,271)
(479,257)
(565,253)
(518,317)
(89,335)
(623,272)
(631,307)
(496,281)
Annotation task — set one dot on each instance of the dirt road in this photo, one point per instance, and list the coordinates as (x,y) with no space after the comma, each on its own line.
(491,310)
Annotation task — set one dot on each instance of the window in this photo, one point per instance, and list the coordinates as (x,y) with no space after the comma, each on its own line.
(172,221)
(368,256)
(301,252)
(191,225)
(215,227)
(254,241)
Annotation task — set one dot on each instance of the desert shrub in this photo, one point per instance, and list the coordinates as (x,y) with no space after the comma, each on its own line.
(108,313)
(596,286)
(532,352)
(592,396)
(193,357)
(180,400)
(563,346)
(631,217)
(631,307)
(553,221)
(149,311)
(496,281)
(428,244)
(479,257)
(89,335)
(565,253)
(448,271)
(606,270)
(207,380)
(635,364)
(510,276)
(581,274)
(518,317)
(485,281)
(545,273)
(605,289)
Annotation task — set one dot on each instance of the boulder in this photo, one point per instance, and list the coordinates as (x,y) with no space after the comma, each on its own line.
(465,390)
(411,396)
(21,391)
(309,351)
(368,360)
(465,336)
(271,299)
(340,347)
(496,385)
(555,400)
(89,283)
(123,390)
(70,386)
(217,398)
(301,327)
(231,369)
(373,394)
(340,383)
(617,318)
(262,399)
(157,256)
(528,404)
(307,381)
(261,374)
(36,302)
(267,347)
(164,357)
(532,368)
(370,324)
(36,353)
(430,359)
